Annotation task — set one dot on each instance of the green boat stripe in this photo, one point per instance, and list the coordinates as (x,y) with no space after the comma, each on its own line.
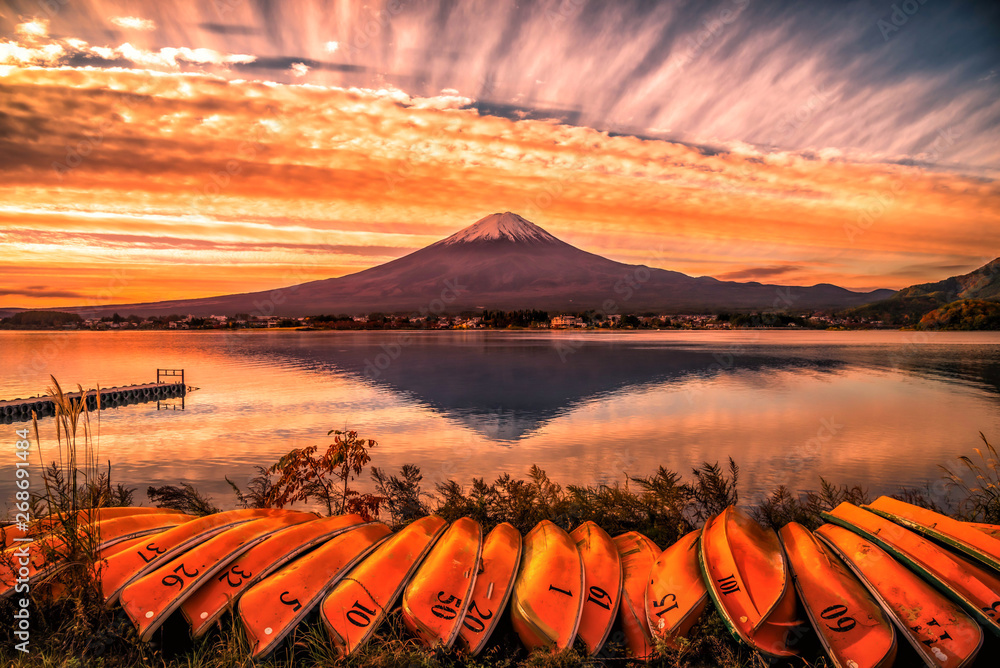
(938,583)
(891,612)
(950,541)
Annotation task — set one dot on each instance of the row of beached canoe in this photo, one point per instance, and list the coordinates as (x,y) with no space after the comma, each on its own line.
(870,574)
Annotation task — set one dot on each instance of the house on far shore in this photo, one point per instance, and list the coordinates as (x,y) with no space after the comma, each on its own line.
(560,321)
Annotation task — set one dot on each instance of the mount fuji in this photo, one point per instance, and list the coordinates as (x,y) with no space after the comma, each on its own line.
(504,261)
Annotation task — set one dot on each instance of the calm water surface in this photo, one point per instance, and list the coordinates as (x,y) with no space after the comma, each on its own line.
(880,409)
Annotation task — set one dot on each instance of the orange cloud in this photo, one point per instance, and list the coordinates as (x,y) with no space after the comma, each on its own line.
(227,186)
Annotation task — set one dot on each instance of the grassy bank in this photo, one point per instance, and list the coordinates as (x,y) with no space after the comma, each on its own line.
(75,629)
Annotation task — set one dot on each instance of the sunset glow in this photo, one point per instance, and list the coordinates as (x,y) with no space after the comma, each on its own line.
(201,150)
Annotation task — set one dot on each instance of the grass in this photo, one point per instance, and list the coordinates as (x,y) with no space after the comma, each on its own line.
(980,499)
(77,630)
(76,624)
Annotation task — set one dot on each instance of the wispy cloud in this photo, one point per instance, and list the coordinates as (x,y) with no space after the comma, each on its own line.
(42,292)
(68,52)
(745,160)
(133,23)
(716,70)
(758,274)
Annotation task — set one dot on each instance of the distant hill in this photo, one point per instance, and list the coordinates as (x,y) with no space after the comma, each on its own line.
(910,305)
(965,314)
(36,319)
(506,262)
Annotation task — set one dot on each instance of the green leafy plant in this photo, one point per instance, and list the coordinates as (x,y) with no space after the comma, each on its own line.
(713,491)
(403,498)
(258,492)
(782,507)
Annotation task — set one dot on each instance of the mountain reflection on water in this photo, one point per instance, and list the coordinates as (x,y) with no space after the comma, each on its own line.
(879,409)
(508,389)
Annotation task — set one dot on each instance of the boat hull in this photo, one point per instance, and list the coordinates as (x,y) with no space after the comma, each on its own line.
(213,598)
(602,571)
(437,598)
(355,607)
(935,627)
(851,625)
(548,593)
(271,609)
(676,595)
(747,577)
(638,554)
(494,583)
(977,592)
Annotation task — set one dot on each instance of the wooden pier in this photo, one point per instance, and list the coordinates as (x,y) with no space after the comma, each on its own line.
(20,410)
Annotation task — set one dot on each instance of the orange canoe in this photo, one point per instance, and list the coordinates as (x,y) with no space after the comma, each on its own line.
(850,624)
(115,530)
(213,598)
(638,554)
(988,529)
(122,546)
(57,588)
(957,535)
(272,608)
(747,577)
(116,546)
(8,534)
(152,598)
(92,515)
(357,605)
(548,593)
(494,583)
(46,553)
(602,575)
(676,594)
(28,560)
(437,598)
(123,567)
(935,627)
(968,585)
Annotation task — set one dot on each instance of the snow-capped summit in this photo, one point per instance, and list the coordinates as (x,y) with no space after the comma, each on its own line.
(506,262)
(504,226)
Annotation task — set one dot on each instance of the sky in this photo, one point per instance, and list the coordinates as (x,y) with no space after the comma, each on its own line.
(170,150)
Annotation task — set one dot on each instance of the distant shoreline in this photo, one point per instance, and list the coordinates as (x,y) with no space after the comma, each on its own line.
(596,330)
(579,330)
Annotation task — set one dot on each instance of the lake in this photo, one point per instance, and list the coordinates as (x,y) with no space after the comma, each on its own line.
(880,409)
